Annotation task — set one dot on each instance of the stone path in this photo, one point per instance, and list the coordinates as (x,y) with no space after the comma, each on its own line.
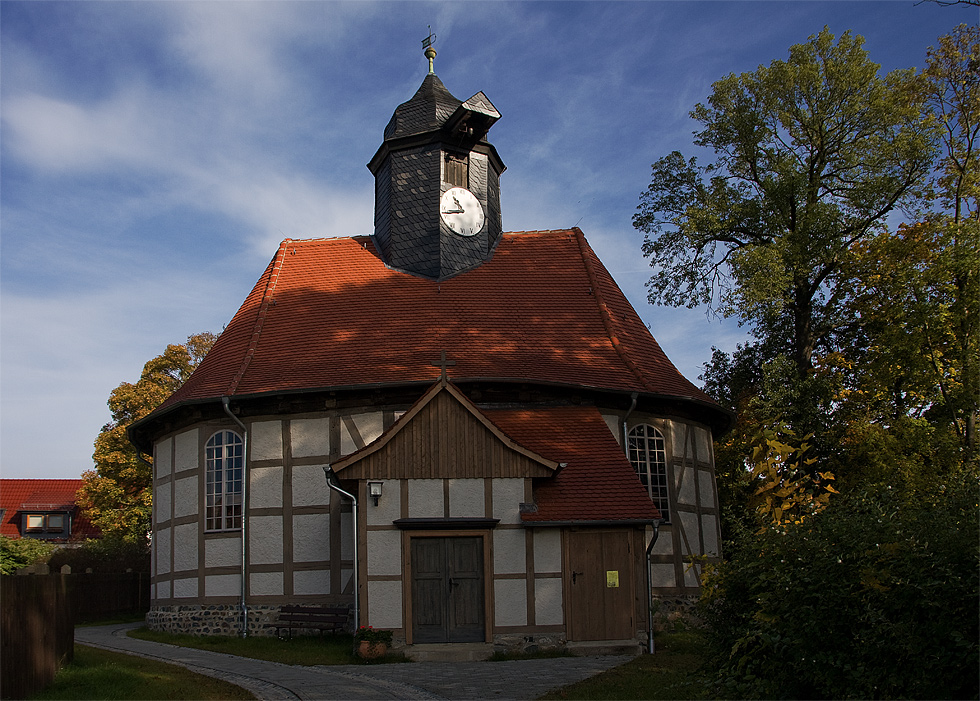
(518,679)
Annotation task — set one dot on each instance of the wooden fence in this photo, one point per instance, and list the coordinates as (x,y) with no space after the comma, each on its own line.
(37,632)
(39,612)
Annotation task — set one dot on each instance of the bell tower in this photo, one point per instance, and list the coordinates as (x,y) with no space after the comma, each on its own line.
(437,182)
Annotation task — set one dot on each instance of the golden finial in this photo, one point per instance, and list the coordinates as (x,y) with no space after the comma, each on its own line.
(429,52)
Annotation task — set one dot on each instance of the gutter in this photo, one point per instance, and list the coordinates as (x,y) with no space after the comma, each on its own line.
(656,523)
(225,402)
(331,476)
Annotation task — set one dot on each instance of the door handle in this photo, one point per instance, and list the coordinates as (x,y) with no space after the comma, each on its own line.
(575,575)
(453,583)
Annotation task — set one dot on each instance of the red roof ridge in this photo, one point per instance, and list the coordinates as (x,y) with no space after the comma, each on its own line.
(270,289)
(604,312)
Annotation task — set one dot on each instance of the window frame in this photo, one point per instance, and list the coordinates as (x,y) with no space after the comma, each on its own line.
(224,475)
(648,455)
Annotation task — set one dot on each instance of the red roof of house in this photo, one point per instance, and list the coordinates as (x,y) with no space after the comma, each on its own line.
(41,495)
(597,482)
(328,313)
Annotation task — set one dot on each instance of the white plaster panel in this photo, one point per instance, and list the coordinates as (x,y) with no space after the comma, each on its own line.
(161,550)
(547,550)
(548,610)
(369,426)
(678,432)
(185,588)
(703,444)
(223,552)
(384,552)
(385,604)
(510,602)
(265,440)
(690,575)
(507,497)
(310,486)
(690,523)
(161,502)
(311,537)
(311,582)
(265,487)
(185,547)
(265,583)
(223,585)
(163,590)
(161,461)
(389,506)
(709,526)
(425,499)
(186,450)
(662,575)
(706,486)
(346,536)
(467,497)
(265,540)
(185,497)
(665,541)
(509,550)
(310,437)
(684,484)
(615,426)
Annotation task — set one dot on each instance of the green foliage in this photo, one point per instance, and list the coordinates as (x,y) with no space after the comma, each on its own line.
(874,597)
(108,554)
(16,553)
(116,495)
(371,634)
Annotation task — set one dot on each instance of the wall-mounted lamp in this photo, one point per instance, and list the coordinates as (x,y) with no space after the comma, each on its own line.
(374,490)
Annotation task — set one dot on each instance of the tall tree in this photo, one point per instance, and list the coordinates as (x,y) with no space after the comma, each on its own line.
(117,494)
(812,155)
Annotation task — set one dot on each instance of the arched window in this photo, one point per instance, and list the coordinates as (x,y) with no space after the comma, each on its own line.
(646,452)
(223,463)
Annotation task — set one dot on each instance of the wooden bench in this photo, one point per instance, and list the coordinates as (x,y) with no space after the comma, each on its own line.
(329,618)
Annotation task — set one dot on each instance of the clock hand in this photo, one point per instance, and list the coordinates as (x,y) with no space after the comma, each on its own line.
(458,204)
(454,211)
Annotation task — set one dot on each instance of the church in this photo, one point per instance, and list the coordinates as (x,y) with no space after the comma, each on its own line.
(461,435)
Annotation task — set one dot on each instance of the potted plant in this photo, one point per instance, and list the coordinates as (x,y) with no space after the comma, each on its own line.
(372,642)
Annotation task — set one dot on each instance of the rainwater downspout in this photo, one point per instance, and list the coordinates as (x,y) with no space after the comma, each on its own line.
(225,401)
(653,541)
(629,411)
(331,476)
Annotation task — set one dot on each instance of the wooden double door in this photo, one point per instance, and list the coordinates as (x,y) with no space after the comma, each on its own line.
(448,589)
(600,584)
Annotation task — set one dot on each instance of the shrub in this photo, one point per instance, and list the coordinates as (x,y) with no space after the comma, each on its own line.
(871,598)
(107,554)
(22,552)
(372,635)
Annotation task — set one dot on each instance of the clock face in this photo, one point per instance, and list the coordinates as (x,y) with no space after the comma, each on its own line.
(461,211)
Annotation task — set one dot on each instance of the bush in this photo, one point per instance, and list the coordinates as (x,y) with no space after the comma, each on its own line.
(21,552)
(870,598)
(107,554)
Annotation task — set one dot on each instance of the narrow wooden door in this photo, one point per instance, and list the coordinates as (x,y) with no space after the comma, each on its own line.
(447,590)
(600,585)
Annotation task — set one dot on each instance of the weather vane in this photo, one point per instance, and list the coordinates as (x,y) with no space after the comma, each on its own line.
(428,51)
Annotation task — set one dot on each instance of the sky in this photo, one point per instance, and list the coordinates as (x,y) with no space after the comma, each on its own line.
(153,155)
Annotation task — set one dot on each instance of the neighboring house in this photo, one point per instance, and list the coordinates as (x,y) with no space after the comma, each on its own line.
(513,434)
(43,509)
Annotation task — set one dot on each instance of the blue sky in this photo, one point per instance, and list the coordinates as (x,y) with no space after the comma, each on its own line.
(153,155)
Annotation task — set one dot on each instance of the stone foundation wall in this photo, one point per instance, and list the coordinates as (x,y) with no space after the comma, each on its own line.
(511,643)
(212,620)
(670,610)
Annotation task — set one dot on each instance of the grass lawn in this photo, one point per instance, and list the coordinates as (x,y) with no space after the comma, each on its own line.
(674,672)
(100,674)
(303,650)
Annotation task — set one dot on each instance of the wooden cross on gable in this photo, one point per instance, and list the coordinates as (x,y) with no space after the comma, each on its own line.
(443,363)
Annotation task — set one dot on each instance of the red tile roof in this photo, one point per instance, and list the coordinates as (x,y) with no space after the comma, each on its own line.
(597,483)
(327,313)
(18,495)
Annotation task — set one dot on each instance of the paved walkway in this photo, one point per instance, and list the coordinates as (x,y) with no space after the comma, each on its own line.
(518,679)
